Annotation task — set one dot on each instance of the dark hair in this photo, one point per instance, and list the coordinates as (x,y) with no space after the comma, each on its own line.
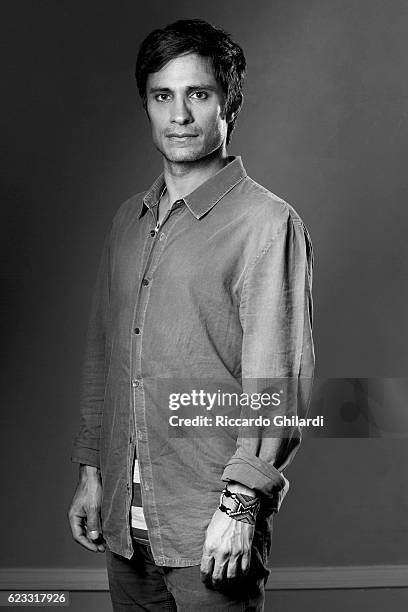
(195,36)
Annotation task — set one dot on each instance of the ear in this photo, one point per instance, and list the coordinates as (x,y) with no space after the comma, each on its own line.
(234,114)
(145,109)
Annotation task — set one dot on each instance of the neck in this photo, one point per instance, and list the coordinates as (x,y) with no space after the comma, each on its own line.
(182,178)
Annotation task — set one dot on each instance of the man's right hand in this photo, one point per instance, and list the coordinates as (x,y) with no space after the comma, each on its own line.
(84,513)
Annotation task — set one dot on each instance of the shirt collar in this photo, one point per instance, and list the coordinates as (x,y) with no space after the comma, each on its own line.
(206,195)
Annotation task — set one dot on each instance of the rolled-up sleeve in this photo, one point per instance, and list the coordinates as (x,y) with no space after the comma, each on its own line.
(276,314)
(87,442)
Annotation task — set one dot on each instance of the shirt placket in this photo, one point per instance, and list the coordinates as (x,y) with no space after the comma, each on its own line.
(158,237)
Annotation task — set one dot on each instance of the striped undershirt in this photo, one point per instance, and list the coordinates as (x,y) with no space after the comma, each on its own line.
(138,523)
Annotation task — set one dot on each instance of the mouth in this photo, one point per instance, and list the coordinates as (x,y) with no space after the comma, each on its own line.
(181,136)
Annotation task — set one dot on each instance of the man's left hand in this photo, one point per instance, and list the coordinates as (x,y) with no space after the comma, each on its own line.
(227,550)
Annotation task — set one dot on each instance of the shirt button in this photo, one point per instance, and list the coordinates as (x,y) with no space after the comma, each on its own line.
(137,330)
(135,383)
(145,282)
(152,233)
(162,236)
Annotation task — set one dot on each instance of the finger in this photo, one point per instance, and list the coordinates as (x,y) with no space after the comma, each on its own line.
(99,542)
(246,562)
(94,530)
(219,570)
(78,533)
(93,524)
(83,540)
(206,568)
(232,568)
(101,547)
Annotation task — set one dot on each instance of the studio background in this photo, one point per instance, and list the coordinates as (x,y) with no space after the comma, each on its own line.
(324,126)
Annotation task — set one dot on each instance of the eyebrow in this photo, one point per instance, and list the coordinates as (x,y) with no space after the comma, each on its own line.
(207,86)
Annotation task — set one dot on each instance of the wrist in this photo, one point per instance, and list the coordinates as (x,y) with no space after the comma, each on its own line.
(89,472)
(239,506)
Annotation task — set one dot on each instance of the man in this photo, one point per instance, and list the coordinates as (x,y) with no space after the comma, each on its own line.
(204,277)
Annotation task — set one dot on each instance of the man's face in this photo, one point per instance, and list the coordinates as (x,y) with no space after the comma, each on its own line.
(185,107)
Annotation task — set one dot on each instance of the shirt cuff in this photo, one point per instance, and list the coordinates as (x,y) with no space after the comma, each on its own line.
(256,474)
(87,456)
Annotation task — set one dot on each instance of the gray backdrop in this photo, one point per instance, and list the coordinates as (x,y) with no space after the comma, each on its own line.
(324,126)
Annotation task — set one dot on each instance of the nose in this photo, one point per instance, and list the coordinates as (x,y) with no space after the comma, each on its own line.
(180,111)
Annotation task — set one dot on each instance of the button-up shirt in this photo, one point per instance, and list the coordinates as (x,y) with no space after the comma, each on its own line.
(220,292)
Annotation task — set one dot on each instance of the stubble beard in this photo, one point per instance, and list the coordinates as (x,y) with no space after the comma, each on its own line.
(184,155)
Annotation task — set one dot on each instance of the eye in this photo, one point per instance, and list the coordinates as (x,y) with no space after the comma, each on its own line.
(200,95)
(163,97)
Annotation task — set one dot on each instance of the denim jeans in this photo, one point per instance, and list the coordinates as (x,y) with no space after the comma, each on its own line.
(139,584)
